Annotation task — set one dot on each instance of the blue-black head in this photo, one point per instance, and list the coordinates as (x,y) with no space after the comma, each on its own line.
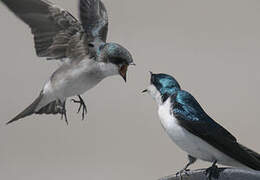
(162,86)
(118,56)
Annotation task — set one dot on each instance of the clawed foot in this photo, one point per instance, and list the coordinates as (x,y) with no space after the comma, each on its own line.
(213,171)
(63,112)
(82,105)
(185,170)
(182,172)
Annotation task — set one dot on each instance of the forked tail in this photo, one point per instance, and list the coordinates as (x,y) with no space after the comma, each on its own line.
(55,107)
(28,111)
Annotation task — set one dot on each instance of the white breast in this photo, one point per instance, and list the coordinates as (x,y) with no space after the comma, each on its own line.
(75,79)
(193,145)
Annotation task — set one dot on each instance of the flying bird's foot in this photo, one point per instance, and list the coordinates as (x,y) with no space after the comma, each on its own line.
(81,106)
(64,112)
(213,171)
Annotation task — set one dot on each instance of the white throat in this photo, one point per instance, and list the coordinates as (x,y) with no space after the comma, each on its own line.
(108,69)
(155,94)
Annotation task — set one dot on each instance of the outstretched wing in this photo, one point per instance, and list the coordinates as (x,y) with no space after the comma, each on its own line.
(57,34)
(191,116)
(93,16)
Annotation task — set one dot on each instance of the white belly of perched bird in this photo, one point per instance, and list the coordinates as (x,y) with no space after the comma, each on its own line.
(190,143)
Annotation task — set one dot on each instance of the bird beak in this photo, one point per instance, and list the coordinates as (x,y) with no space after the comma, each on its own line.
(132,64)
(123,71)
(144,91)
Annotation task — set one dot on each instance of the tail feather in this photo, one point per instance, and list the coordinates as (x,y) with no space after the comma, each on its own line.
(55,107)
(28,111)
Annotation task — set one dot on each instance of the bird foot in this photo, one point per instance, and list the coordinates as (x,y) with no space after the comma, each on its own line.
(63,113)
(182,172)
(82,106)
(213,171)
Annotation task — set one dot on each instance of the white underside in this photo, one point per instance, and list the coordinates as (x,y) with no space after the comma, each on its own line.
(70,80)
(188,142)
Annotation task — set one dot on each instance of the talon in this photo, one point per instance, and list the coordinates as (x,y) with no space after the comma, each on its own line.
(64,113)
(74,100)
(81,106)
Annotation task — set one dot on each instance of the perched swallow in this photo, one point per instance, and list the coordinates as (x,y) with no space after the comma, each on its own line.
(80,46)
(189,126)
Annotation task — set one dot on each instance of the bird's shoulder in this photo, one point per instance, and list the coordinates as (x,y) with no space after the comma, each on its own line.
(184,103)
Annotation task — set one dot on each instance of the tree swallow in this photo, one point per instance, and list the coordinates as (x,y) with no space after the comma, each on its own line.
(80,46)
(189,126)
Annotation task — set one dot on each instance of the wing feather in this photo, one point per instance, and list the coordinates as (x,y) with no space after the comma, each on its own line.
(53,28)
(94,18)
(191,116)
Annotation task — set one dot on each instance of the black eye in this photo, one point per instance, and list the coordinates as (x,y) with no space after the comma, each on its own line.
(90,45)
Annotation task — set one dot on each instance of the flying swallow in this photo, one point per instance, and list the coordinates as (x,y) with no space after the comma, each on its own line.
(80,45)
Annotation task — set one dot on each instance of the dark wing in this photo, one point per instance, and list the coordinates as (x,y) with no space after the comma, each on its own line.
(251,152)
(93,16)
(57,34)
(191,116)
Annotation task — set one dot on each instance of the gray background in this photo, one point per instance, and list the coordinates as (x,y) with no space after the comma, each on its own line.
(211,47)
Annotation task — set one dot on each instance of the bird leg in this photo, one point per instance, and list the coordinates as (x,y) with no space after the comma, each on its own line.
(185,169)
(81,105)
(63,111)
(213,171)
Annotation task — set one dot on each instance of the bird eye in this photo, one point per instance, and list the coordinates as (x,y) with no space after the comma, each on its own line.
(90,45)
(101,46)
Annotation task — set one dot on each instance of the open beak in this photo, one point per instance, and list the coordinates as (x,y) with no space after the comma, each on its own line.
(123,71)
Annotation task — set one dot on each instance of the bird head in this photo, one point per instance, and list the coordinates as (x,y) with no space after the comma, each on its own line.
(117,56)
(162,86)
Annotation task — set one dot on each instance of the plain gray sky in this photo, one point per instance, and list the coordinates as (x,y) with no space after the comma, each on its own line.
(211,47)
